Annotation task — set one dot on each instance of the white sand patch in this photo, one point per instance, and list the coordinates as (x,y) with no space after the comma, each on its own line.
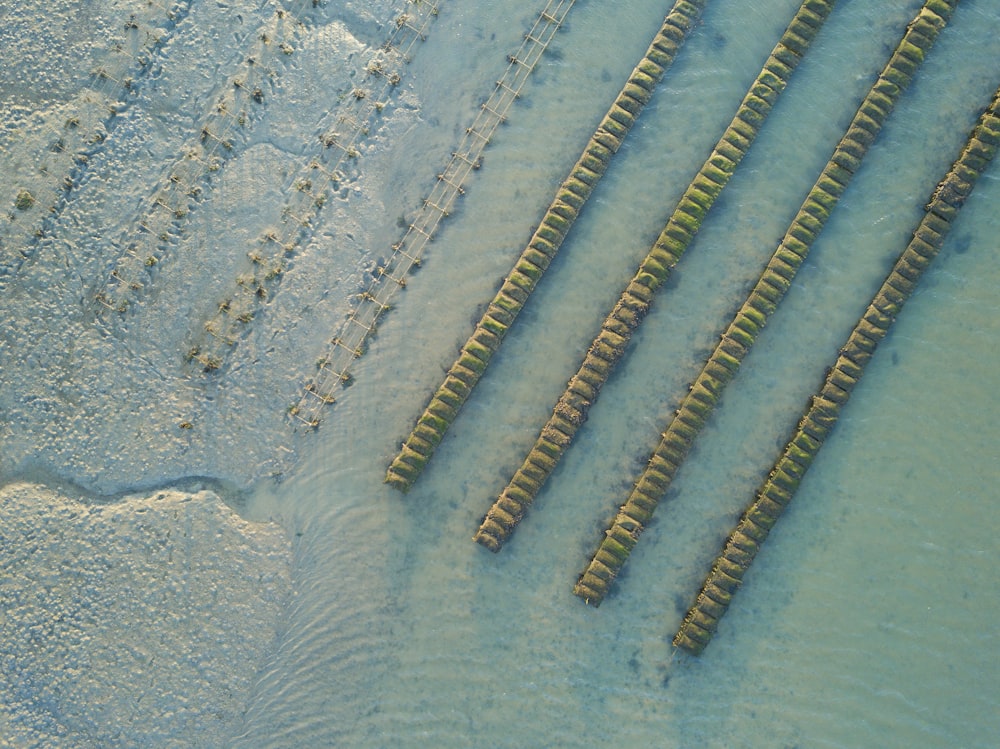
(133,623)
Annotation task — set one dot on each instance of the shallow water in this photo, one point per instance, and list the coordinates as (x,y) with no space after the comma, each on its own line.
(868,619)
(870,612)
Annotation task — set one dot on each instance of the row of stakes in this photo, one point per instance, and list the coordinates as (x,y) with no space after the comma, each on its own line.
(348,342)
(68,147)
(609,346)
(144,245)
(271,258)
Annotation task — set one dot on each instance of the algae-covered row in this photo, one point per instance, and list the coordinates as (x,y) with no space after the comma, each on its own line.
(767,293)
(824,408)
(476,353)
(608,347)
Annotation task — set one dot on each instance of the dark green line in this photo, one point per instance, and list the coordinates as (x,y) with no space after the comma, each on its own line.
(609,346)
(773,496)
(739,337)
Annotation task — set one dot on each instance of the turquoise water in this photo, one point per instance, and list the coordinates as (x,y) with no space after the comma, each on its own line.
(870,617)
